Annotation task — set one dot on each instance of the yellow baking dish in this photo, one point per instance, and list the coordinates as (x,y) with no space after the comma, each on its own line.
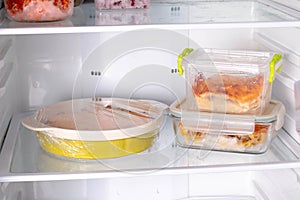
(90,150)
(92,129)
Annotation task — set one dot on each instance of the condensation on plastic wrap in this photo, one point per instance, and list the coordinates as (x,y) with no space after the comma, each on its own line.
(91,129)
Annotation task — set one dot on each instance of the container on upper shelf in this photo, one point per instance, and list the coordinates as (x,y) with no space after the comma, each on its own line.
(122,17)
(227,132)
(121,4)
(229,81)
(38,11)
(78,2)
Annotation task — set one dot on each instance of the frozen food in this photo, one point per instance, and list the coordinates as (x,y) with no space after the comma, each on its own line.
(121,4)
(122,17)
(39,10)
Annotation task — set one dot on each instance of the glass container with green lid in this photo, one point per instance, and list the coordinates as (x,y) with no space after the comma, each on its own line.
(229,81)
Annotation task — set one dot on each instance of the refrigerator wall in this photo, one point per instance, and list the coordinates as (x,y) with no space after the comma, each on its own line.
(7,84)
(95,64)
(285,41)
(40,69)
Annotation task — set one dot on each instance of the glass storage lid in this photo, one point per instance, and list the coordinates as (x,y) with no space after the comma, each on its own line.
(227,123)
(231,61)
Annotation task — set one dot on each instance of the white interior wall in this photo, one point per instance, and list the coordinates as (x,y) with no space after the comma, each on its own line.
(135,188)
(281,184)
(16,191)
(225,38)
(47,66)
(53,68)
(221,184)
(285,41)
(7,83)
(295,4)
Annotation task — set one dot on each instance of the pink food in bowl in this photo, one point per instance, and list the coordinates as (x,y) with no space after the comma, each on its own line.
(121,4)
(39,10)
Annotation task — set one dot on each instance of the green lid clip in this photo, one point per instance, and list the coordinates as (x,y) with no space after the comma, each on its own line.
(275,61)
(185,52)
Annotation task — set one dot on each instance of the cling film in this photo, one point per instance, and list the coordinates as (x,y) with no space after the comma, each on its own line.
(92,129)
(93,150)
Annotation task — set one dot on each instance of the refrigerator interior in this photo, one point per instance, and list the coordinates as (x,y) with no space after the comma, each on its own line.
(43,66)
(268,184)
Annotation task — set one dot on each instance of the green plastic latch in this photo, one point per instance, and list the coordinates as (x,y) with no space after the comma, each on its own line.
(276,58)
(185,52)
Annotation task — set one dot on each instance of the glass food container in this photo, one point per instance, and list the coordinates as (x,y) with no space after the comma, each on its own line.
(92,129)
(227,81)
(39,11)
(121,4)
(225,132)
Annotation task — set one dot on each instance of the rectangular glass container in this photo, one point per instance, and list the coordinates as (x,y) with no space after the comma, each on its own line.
(227,81)
(224,132)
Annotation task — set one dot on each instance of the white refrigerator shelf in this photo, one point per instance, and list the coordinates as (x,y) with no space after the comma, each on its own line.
(172,15)
(22,159)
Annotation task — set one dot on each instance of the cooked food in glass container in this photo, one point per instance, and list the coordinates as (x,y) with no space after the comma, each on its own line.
(227,81)
(235,133)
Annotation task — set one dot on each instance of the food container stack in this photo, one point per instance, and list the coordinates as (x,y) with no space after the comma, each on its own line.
(228,104)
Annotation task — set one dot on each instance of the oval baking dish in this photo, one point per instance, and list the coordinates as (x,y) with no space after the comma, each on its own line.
(98,128)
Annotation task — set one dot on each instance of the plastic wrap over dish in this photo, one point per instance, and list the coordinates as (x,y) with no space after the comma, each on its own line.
(97,128)
(225,132)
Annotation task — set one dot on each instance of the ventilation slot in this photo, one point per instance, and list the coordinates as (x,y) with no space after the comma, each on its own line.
(95,73)
(174,71)
(175,8)
(96,99)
